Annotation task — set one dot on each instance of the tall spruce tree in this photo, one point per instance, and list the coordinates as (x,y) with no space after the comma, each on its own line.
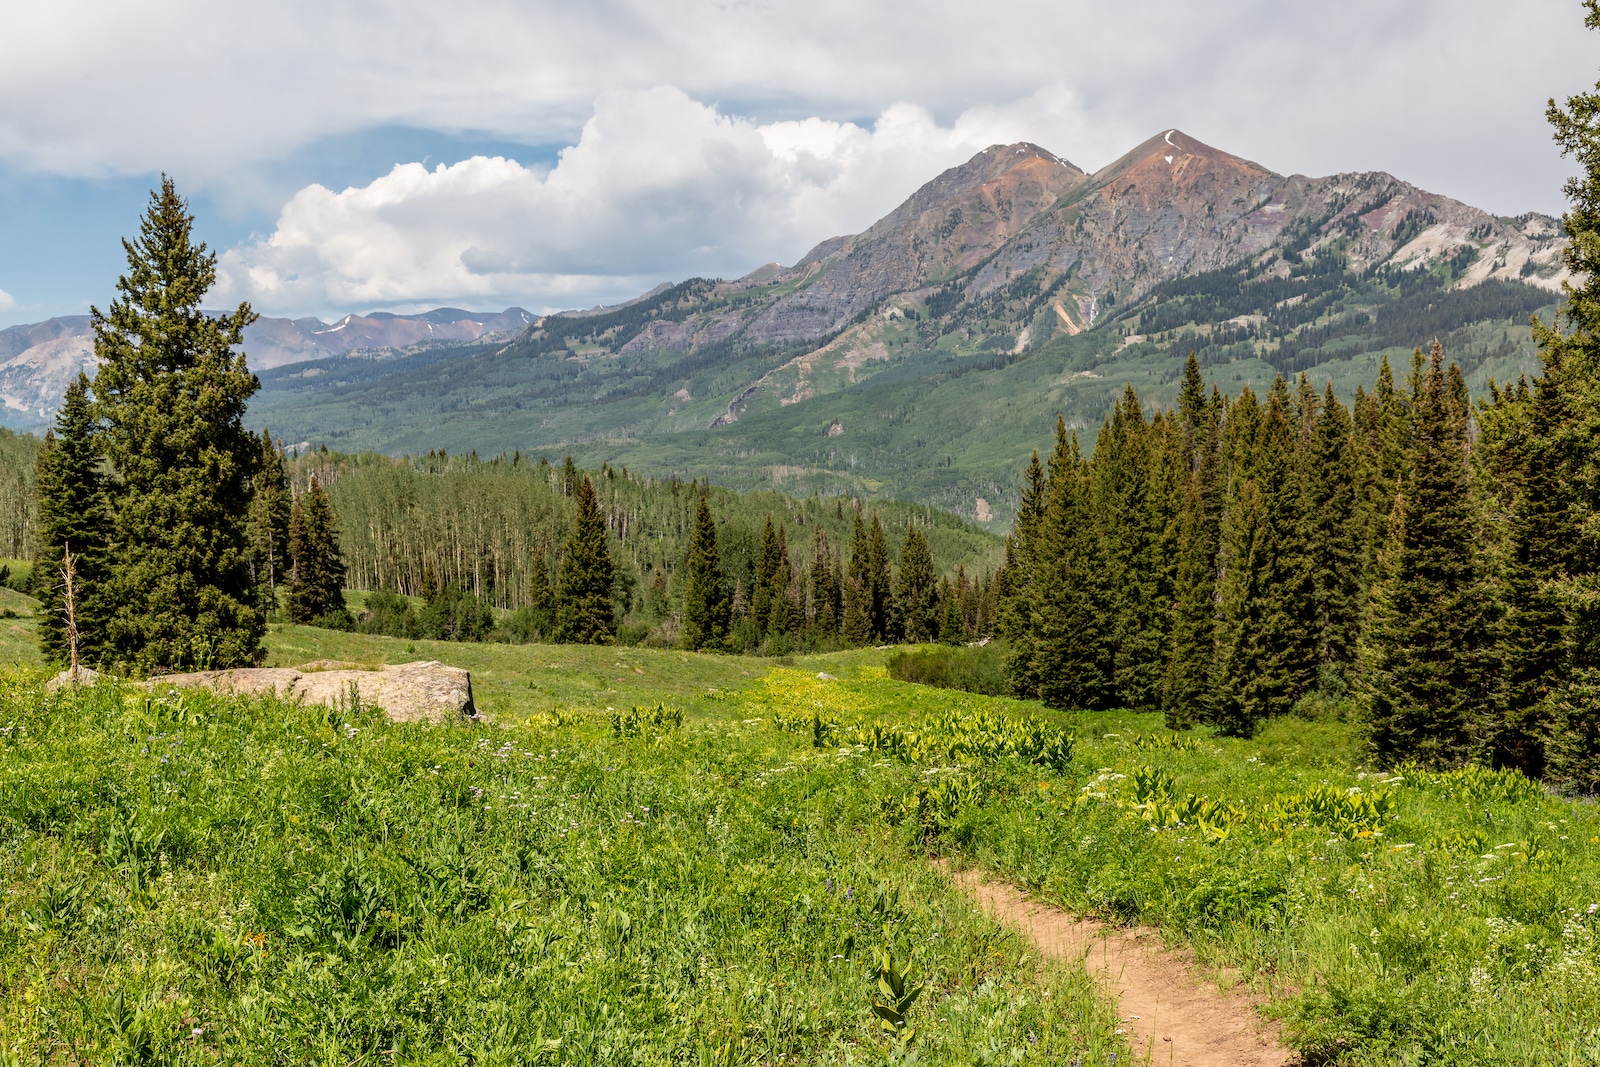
(1245,689)
(1291,632)
(917,592)
(1125,481)
(1015,593)
(1554,668)
(171,393)
(825,603)
(769,564)
(1186,691)
(1425,653)
(1333,534)
(880,590)
(269,524)
(1072,652)
(855,625)
(315,592)
(585,607)
(705,596)
(71,495)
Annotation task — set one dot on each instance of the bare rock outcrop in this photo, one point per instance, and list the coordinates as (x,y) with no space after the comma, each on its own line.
(407,692)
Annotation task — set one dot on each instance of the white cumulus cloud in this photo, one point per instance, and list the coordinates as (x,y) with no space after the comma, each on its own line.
(7,301)
(658,186)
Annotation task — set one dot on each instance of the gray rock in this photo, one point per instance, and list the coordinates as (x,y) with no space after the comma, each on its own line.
(407,692)
(84,676)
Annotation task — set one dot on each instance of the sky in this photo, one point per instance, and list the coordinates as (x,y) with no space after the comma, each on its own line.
(350,155)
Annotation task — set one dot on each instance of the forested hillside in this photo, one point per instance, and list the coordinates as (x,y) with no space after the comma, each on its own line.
(482,524)
(18,508)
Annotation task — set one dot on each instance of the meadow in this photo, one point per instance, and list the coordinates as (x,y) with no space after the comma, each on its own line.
(644,856)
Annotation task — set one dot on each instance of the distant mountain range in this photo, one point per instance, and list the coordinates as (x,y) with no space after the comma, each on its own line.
(924,357)
(37,361)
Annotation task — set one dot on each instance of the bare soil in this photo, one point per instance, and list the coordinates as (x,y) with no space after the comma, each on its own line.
(1173,1015)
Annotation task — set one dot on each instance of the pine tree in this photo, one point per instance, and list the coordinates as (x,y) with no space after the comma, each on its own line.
(1554,521)
(269,525)
(825,604)
(171,393)
(1245,690)
(1333,534)
(1425,666)
(1186,690)
(855,625)
(72,515)
(1072,656)
(585,609)
(705,596)
(880,591)
(315,592)
(1291,631)
(1015,593)
(917,593)
(768,564)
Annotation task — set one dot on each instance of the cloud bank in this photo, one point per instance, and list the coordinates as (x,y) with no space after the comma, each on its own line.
(659,185)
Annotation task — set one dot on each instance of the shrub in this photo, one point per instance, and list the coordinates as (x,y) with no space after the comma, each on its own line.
(389,615)
(973,669)
(455,615)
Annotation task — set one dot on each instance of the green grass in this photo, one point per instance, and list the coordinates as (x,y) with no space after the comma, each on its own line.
(317,894)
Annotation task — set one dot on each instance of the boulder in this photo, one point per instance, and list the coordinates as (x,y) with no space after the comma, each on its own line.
(68,677)
(407,692)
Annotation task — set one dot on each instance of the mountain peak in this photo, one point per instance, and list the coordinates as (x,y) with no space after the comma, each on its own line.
(1175,156)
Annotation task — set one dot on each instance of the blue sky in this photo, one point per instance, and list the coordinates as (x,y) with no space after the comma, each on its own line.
(343,156)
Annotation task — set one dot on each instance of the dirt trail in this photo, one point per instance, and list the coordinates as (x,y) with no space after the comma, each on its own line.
(1173,1017)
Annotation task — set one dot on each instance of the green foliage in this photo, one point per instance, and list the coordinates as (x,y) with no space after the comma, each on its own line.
(309,884)
(18,497)
(585,610)
(316,578)
(705,598)
(916,594)
(975,670)
(388,615)
(73,517)
(271,509)
(454,614)
(644,721)
(171,393)
(1426,651)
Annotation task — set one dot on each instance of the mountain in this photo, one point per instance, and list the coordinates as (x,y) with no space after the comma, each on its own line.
(38,360)
(924,357)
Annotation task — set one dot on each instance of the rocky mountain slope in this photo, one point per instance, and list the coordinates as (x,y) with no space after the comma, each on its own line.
(38,360)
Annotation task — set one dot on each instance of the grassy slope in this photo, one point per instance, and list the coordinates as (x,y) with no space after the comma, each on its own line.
(189,878)
(1452,922)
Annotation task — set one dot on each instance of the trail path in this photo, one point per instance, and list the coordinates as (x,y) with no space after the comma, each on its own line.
(1174,1017)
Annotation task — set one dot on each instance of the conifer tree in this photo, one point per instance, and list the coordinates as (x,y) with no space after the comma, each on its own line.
(1425,664)
(825,605)
(71,494)
(315,592)
(585,609)
(1333,534)
(855,624)
(706,606)
(1015,591)
(1245,690)
(171,393)
(1072,653)
(1553,667)
(917,593)
(1291,631)
(879,588)
(269,524)
(952,628)
(1186,690)
(768,564)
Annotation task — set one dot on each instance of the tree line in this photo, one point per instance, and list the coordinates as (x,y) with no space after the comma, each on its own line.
(1229,557)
